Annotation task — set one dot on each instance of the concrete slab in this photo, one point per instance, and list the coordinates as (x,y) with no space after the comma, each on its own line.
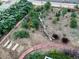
(14,48)
(9,46)
(8,41)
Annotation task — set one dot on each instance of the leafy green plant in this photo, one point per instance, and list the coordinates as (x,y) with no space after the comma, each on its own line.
(34,20)
(35,23)
(11,16)
(64,11)
(73,14)
(53,54)
(36,55)
(47,5)
(21,34)
(73,23)
(39,9)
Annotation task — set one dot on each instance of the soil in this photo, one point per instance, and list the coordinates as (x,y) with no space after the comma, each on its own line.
(38,36)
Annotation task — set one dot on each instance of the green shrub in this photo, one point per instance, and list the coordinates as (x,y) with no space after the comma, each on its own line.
(47,5)
(58,55)
(73,23)
(36,55)
(73,14)
(21,34)
(35,23)
(34,20)
(24,24)
(52,54)
(64,11)
(39,9)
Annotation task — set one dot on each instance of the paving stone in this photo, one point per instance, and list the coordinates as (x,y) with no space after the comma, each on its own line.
(14,48)
(9,46)
(6,43)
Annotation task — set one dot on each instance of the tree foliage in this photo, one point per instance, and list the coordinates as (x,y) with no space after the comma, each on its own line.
(73,23)
(73,14)
(76,6)
(11,16)
(47,5)
(64,11)
(34,19)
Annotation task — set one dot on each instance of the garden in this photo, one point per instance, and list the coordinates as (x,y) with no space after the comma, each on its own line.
(61,24)
(51,54)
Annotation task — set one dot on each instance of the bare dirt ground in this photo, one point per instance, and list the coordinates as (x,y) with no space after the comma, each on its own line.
(38,36)
(35,38)
(4,54)
(62,27)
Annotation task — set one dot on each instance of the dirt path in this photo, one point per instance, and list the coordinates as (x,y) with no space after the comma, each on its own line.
(45,45)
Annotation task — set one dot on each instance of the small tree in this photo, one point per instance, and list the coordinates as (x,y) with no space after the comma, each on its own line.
(73,23)
(35,23)
(73,14)
(47,5)
(64,11)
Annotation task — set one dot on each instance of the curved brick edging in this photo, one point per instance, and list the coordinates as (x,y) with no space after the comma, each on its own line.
(45,45)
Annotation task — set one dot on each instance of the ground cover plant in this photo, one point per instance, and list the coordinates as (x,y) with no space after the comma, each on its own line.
(21,33)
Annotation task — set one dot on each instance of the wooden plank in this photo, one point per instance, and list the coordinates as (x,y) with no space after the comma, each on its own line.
(9,46)
(8,41)
(14,48)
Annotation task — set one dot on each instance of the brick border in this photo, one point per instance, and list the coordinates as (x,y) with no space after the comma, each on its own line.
(45,45)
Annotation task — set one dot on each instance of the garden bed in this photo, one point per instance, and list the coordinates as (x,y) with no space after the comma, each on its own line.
(63,23)
(58,23)
(41,54)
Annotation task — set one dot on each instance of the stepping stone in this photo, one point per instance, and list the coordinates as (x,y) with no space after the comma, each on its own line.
(9,45)
(14,48)
(6,43)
